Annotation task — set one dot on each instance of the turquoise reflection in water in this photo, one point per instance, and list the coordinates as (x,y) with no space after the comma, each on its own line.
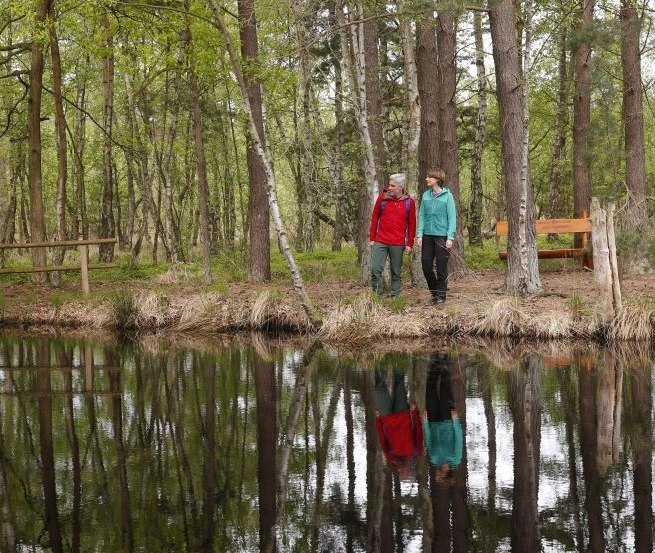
(256,447)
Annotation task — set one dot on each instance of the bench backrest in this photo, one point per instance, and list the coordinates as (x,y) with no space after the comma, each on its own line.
(551,226)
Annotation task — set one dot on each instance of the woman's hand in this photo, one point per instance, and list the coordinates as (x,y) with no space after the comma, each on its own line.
(419,241)
(449,244)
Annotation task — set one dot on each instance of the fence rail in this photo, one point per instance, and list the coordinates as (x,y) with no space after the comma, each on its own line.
(84,267)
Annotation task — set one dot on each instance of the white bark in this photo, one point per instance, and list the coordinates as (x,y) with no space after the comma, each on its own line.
(528,255)
(614,265)
(296,277)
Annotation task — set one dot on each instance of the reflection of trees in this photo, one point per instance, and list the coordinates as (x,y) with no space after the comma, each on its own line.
(147,443)
(639,418)
(266,450)
(590,469)
(525,403)
(47,450)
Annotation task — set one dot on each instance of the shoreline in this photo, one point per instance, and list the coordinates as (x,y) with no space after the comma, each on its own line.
(356,319)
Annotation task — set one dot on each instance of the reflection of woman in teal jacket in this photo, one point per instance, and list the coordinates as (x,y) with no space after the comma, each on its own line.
(442,430)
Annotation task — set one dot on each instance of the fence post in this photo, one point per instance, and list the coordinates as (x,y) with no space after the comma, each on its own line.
(84,259)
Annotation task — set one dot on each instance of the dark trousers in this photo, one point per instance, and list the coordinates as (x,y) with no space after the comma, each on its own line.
(434,250)
(438,392)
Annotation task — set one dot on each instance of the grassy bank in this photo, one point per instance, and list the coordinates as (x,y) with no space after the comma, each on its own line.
(149,297)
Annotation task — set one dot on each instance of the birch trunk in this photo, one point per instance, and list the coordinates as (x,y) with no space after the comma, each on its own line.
(296,277)
(475,206)
(412,121)
(339,124)
(352,53)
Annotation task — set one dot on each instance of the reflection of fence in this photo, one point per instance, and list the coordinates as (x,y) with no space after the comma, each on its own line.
(84,265)
(89,389)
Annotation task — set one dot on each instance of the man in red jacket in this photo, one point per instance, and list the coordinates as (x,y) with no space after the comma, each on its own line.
(393,226)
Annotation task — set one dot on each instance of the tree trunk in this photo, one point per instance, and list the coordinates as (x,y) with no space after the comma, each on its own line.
(557,190)
(37,221)
(373,97)
(107,224)
(81,222)
(633,124)
(427,75)
(447,84)
(203,189)
(260,250)
(522,268)
(582,110)
(60,126)
(412,120)
(475,206)
(353,55)
(525,404)
(339,127)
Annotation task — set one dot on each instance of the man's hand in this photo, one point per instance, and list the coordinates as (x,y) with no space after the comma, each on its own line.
(371,242)
(419,241)
(408,250)
(449,244)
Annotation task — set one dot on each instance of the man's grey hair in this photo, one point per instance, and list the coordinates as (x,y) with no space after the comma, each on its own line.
(399,178)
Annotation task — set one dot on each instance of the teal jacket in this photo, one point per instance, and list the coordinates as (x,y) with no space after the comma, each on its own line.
(437,216)
(443,442)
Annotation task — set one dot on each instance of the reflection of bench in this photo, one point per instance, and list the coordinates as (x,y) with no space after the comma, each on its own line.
(580,226)
(84,267)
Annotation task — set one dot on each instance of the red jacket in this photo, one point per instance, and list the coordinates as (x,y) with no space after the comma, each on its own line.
(394,226)
(400,434)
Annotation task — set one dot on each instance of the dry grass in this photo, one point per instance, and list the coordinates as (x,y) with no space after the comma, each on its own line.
(152,311)
(175,276)
(633,323)
(365,318)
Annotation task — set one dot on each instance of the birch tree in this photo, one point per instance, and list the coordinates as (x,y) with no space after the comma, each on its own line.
(258,143)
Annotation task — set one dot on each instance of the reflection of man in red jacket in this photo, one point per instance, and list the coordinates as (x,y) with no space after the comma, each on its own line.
(393,226)
(398,424)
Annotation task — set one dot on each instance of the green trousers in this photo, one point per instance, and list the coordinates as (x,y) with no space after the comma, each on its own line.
(379,258)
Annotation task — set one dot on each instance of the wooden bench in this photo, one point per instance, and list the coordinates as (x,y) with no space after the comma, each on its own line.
(84,267)
(581,226)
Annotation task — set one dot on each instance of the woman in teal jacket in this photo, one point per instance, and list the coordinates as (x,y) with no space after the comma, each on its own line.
(442,430)
(437,222)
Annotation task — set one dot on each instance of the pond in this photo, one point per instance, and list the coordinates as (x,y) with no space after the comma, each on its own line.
(268,446)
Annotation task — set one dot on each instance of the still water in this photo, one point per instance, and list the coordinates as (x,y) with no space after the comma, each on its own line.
(251,446)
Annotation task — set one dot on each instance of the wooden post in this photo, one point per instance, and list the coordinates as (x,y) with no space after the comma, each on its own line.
(602,271)
(614,265)
(586,259)
(84,258)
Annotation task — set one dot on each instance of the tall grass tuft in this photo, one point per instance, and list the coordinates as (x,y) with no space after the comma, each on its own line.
(125,310)
(633,323)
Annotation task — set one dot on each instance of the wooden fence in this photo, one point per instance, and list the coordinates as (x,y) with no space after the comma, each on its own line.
(84,266)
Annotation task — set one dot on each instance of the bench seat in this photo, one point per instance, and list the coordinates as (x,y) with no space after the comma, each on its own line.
(580,226)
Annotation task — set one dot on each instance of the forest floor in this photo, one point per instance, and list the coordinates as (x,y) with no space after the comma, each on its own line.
(476,306)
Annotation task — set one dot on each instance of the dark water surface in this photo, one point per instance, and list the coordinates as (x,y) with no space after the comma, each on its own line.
(148,447)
